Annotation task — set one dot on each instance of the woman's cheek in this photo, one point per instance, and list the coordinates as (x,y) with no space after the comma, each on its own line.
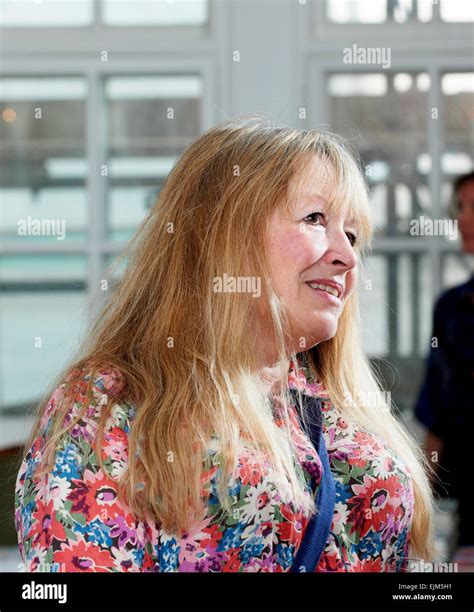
(352,278)
(291,252)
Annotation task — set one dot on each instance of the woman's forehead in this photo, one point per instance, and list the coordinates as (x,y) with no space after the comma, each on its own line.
(318,174)
(316,183)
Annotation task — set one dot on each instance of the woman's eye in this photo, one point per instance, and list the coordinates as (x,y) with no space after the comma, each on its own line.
(315,217)
(352,238)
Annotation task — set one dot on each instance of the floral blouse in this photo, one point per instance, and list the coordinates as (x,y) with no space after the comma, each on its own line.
(72,519)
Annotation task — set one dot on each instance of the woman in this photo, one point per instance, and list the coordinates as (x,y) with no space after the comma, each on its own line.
(171,443)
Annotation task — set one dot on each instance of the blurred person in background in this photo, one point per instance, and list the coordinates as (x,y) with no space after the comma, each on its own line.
(445,404)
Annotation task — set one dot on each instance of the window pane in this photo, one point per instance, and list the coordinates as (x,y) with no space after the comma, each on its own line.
(373,297)
(457,10)
(42,302)
(358,11)
(42,158)
(368,11)
(155,12)
(423,283)
(396,308)
(46,13)
(425,10)
(151,120)
(396,304)
(413,303)
(21,269)
(388,126)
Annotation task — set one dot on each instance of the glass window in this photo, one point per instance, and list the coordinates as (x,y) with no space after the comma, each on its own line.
(42,158)
(46,13)
(458,129)
(373,287)
(151,120)
(42,302)
(396,309)
(413,303)
(388,126)
(23,270)
(400,282)
(155,12)
(368,11)
(358,11)
(456,10)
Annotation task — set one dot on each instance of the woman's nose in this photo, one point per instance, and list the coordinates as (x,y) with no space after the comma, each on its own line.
(342,252)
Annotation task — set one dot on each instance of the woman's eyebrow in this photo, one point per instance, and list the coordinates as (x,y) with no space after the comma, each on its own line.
(316,196)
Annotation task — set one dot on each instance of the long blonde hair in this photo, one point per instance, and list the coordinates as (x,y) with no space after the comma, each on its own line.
(187,352)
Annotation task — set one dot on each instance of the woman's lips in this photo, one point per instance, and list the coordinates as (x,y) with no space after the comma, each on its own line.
(333,299)
(327,284)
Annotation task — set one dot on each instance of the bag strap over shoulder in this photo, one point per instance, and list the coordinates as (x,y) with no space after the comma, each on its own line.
(319,526)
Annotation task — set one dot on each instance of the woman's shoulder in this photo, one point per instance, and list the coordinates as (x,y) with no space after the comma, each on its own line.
(68,435)
(76,492)
(94,386)
(103,380)
(78,404)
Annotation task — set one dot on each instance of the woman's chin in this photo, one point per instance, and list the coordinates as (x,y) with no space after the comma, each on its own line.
(324,329)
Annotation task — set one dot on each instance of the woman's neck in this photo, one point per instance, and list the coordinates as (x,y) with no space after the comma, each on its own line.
(271,376)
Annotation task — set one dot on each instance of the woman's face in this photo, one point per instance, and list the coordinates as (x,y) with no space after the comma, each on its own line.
(310,254)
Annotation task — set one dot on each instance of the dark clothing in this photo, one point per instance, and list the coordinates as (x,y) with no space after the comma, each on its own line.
(446,402)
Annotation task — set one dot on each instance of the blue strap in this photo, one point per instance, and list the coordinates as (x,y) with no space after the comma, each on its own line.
(319,526)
